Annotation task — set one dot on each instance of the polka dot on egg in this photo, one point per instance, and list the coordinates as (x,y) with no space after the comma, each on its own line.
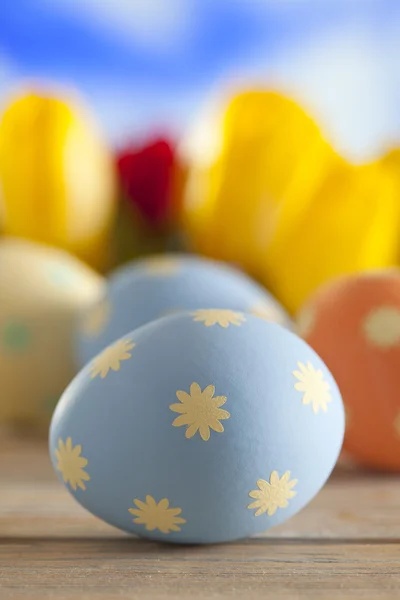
(381,327)
(15,336)
(61,276)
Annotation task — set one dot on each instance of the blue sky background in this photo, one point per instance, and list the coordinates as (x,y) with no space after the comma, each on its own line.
(150,64)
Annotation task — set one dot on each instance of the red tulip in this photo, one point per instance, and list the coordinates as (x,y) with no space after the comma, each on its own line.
(146,176)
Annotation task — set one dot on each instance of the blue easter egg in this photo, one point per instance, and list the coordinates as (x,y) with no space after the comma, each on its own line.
(198,428)
(150,288)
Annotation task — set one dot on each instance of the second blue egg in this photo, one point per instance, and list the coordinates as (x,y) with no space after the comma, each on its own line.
(150,288)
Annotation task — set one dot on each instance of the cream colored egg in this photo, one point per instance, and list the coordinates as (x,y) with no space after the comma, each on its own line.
(42,292)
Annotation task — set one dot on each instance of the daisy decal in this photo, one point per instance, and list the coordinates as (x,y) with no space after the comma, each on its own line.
(157,515)
(97,319)
(71,464)
(221,317)
(111,358)
(162,266)
(273,494)
(200,411)
(314,387)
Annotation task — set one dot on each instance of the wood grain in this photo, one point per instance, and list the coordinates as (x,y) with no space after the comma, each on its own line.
(345,544)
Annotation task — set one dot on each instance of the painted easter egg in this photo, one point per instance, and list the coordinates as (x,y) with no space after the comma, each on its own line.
(192,431)
(150,288)
(354,325)
(42,291)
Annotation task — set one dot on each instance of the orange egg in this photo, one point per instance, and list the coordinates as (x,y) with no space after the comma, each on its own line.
(353,323)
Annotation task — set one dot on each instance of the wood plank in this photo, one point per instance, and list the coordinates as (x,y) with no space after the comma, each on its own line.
(125,568)
(344,545)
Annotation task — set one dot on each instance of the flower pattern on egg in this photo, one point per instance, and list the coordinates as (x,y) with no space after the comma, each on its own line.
(111,358)
(272,494)
(221,317)
(200,411)
(155,515)
(311,382)
(71,464)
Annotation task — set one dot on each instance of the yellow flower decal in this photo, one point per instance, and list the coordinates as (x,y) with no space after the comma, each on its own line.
(157,516)
(200,411)
(267,312)
(97,319)
(71,464)
(314,387)
(164,266)
(111,358)
(221,317)
(273,494)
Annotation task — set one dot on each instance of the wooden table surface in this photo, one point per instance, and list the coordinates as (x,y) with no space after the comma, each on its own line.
(345,544)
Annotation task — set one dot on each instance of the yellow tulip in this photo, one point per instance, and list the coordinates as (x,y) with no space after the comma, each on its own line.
(273,196)
(56,176)
(391,161)
(351,224)
(265,151)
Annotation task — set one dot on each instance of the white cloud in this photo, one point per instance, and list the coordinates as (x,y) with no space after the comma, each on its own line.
(349,80)
(154,25)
